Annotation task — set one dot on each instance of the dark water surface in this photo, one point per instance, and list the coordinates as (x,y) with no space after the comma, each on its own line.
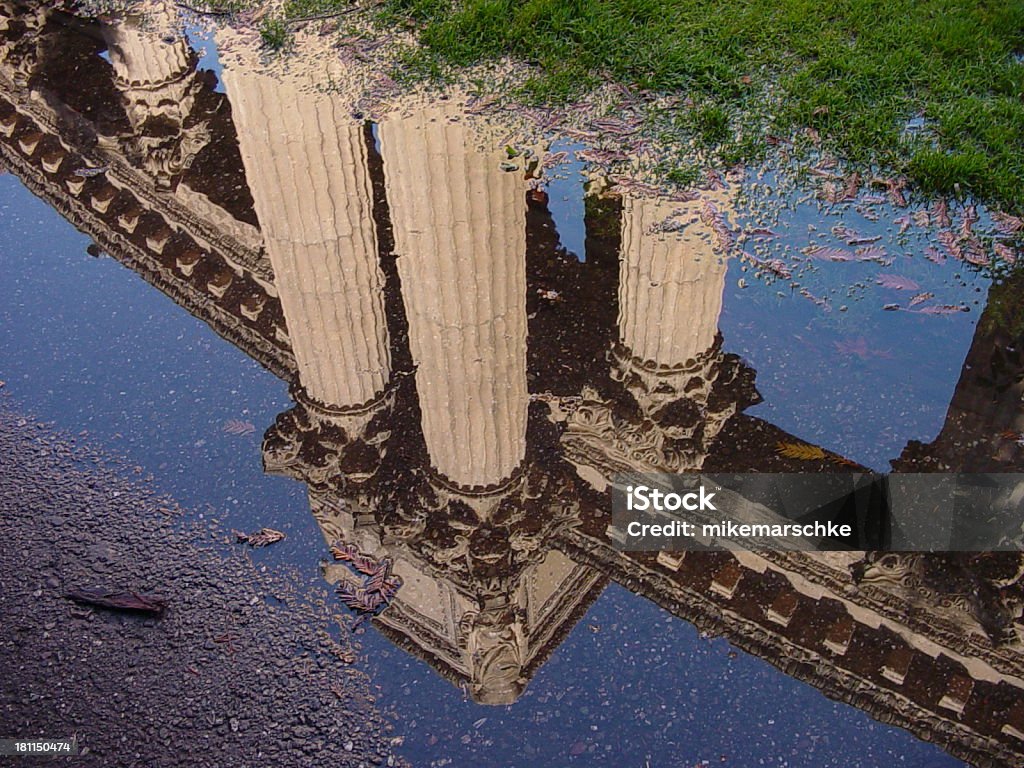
(374,334)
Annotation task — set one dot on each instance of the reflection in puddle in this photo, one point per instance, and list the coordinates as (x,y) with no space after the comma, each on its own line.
(470,363)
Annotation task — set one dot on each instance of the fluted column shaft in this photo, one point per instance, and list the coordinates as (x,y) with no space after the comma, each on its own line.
(460,233)
(670,282)
(148,47)
(305,162)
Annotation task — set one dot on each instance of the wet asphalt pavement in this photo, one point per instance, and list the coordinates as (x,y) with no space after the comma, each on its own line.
(240,671)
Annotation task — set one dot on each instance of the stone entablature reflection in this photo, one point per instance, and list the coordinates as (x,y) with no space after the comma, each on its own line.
(483,600)
(57,152)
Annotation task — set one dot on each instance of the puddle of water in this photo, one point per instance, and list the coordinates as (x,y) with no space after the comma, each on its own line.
(376,334)
(566,199)
(834,366)
(202,42)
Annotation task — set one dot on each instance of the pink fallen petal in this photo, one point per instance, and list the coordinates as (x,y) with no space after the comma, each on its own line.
(1005,252)
(896,282)
(827,253)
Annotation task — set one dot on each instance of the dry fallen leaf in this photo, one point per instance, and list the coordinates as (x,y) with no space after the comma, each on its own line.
(873,253)
(949,242)
(261,538)
(974,252)
(940,212)
(800,451)
(921,297)
(895,190)
(857,348)
(942,309)
(1007,224)
(1003,251)
(825,253)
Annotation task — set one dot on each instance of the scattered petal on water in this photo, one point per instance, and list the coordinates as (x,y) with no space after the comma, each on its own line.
(896,282)
(239,427)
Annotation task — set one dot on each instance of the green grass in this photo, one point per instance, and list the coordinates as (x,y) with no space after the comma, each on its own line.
(295,9)
(274,33)
(853,70)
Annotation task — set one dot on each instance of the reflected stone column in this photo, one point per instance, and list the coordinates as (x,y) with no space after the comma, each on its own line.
(670,282)
(154,70)
(150,54)
(460,233)
(305,161)
(669,358)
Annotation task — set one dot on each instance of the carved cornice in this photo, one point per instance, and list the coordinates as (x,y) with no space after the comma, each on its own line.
(673,415)
(921,610)
(329,446)
(122,174)
(481,543)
